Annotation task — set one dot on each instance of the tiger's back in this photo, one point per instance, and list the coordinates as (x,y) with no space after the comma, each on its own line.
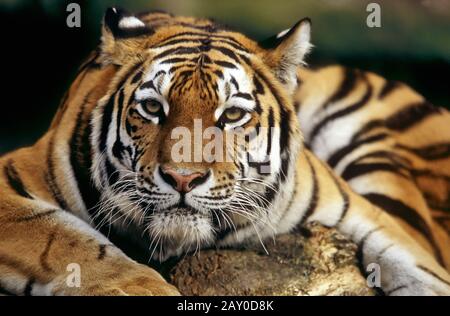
(386,141)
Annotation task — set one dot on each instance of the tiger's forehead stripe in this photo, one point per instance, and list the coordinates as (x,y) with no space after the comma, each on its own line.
(198,37)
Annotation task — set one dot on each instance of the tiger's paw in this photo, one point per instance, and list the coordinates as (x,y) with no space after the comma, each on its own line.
(140,286)
(129,279)
(137,286)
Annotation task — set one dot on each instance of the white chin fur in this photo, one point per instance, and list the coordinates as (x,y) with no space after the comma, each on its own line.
(176,232)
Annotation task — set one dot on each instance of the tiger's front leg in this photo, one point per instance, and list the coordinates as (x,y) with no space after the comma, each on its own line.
(405,267)
(42,248)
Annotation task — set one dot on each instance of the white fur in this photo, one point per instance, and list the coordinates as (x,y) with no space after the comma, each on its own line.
(130,22)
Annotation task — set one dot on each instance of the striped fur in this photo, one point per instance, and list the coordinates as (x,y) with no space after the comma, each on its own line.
(99,169)
(387,142)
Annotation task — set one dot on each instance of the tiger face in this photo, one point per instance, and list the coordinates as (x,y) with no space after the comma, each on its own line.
(198,131)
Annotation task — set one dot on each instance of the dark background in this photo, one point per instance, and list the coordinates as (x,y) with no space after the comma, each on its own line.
(40,54)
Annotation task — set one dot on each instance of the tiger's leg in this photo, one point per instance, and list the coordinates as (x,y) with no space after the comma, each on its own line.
(40,243)
(406,267)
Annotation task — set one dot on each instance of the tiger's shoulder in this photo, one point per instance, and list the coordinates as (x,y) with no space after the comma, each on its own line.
(335,82)
(337,92)
(372,130)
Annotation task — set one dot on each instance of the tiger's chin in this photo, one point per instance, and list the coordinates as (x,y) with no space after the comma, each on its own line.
(178,231)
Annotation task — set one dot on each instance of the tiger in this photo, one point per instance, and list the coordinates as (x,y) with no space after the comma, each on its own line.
(334,146)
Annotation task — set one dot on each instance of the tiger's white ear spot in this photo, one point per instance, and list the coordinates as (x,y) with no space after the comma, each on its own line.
(130,22)
(122,24)
(283,33)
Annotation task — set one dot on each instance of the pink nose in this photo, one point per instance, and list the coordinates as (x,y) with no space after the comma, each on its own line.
(182,182)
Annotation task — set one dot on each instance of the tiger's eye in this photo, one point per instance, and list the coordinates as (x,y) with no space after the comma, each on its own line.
(233,114)
(152,106)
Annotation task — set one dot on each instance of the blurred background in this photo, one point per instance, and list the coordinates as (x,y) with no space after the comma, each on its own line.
(40,54)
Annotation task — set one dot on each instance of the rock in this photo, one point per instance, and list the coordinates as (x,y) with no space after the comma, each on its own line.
(313,261)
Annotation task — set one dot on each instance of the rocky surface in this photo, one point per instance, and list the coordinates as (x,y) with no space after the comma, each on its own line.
(313,261)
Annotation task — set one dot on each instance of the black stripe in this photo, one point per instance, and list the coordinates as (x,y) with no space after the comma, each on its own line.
(272,191)
(101,251)
(137,77)
(90,61)
(382,252)
(223,233)
(393,157)
(176,60)
(338,114)
(344,196)
(181,50)
(411,115)
(425,269)
(51,179)
(401,120)
(388,87)
(225,64)
(293,195)
(118,146)
(337,156)
(14,180)
(106,121)
(284,171)
(148,85)
(109,108)
(243,96)
(28,287)
(35,216)
(4,291)
(111,175)
(227,52)
(218,73)
(314,199)
(409,215)
(44,255)
(234,82)
(81,159)
(184,40)
(285,128)
(369,126)
(360,250)
(270,125)
(222,38)
(430,174)
(400,287)
(258,90)
(430,152)
(355,170)
(399,209)
(348,83)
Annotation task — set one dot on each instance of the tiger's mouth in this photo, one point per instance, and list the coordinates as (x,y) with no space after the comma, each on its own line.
(179,230)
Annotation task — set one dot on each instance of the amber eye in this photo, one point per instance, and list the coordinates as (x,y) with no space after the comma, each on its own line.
(233,114)
(152,106)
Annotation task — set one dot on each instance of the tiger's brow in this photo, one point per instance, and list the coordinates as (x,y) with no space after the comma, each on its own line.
(243,95)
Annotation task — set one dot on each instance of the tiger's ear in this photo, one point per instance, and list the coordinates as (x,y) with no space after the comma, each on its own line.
(122,36)
(285,51)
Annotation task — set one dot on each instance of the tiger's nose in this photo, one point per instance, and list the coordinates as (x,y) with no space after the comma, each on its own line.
(182,182)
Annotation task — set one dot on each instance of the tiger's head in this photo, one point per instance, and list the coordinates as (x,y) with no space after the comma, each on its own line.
(196,140)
